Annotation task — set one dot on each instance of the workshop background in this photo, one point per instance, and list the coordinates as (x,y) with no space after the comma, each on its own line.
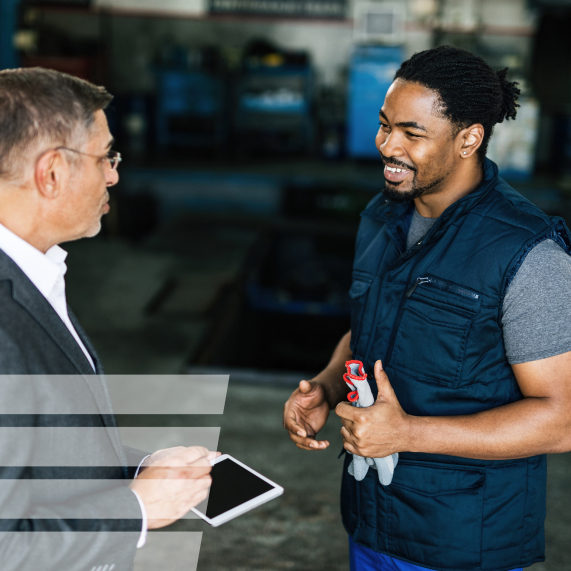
(247,130)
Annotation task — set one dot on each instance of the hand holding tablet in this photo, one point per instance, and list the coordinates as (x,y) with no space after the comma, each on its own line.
(173,481)
(235,489)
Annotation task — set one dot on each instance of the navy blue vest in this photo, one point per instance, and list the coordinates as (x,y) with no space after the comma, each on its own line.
(433,315)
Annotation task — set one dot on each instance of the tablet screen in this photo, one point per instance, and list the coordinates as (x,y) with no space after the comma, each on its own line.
(232,486)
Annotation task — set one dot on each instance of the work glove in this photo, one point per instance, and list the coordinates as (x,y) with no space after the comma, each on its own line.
(361,396)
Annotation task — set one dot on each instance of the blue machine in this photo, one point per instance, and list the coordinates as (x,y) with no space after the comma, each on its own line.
(273,108)
(371,73)
(190,109)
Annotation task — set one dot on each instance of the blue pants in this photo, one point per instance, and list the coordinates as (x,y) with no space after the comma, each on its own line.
(364,559)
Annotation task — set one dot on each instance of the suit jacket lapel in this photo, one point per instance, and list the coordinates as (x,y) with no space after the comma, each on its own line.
(86,341)
(98,386)
(29,297)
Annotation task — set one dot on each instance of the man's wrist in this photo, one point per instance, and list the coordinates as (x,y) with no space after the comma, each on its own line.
(142,465)
(412,431)
(332,388)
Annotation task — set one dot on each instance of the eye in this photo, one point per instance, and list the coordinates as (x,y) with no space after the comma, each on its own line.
(383,125)
(413,135)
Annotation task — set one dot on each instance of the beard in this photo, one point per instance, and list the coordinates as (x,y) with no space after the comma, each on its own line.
(391,192)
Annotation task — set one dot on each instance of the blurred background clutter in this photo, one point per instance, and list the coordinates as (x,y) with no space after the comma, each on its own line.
(247,129)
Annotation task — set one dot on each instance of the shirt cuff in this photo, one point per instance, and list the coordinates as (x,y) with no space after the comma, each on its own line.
(140,464)
(145,523)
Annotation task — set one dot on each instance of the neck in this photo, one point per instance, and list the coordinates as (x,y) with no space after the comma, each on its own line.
(23,216)
(458,183)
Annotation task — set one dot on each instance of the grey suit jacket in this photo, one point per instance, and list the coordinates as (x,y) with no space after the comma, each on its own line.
(83,516)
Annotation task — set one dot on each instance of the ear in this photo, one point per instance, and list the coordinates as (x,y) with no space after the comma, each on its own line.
(469,140)
(51,174)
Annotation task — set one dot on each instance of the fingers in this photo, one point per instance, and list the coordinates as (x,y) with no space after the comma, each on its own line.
(212,455)
(347,436)
(198,498)
(192,492)
(194,454)
(305,387)
(346,410)
(292,425)
(290,418)
(348,441)
(174,498)
(304,415)
(301,439)
(176,472)
(182,456)
(386,392)
(313,446)
(168,492)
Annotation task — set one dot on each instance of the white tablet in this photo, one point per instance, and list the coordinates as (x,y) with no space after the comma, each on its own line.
(235,490)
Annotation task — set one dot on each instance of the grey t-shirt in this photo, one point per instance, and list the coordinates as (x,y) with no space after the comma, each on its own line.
(536,314)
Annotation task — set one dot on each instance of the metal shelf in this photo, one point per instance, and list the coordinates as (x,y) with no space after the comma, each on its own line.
(410,26)
(238,18)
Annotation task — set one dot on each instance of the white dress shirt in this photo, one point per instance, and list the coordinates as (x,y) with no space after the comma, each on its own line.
(46,272)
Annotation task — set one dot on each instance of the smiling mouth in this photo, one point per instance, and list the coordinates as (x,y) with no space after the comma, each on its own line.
(396,174)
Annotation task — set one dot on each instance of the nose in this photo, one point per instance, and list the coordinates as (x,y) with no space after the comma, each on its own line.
(390,145)
(111,177)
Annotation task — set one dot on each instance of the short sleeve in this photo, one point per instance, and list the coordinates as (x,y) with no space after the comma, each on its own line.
(536,313)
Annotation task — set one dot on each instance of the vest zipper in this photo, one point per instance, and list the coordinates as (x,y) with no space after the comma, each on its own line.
(418,281)
(442,285)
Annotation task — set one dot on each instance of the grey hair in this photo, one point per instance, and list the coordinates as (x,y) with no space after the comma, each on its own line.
(43,108)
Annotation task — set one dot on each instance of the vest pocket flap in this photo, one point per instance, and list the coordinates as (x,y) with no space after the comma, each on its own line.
(359,287)
(436,511)
(436,480)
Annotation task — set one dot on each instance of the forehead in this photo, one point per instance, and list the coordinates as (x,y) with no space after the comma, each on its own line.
(99,133)
(411,102)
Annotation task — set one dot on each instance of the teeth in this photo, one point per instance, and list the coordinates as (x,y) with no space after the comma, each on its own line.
(394,169)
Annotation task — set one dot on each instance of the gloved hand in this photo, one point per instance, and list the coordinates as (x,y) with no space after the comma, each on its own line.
(361,396)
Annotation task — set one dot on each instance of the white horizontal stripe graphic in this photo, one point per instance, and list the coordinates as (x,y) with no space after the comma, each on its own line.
(91,446)
(119,394)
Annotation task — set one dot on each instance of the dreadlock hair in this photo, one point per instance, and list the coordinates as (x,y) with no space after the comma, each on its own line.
(470,91)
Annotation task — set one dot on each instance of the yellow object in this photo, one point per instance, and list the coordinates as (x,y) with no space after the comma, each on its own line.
(273,60)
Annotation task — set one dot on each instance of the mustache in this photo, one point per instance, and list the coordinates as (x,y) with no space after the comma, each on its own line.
(390,161)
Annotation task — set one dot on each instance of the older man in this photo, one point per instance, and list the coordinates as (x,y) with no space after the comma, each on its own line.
(56,165)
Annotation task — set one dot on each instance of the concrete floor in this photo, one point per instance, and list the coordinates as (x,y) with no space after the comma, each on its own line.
(302,530)
(110,285)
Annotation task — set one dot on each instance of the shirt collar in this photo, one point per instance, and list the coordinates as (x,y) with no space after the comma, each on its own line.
(43,270)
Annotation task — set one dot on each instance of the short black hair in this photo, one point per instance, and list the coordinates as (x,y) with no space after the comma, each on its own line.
(42,106)
(470,91)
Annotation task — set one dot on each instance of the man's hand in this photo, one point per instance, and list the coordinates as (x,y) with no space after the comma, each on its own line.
(176,480)
(379,430)
(159,455)
(305,414)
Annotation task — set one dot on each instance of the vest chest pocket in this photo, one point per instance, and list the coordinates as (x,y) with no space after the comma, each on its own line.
(431,337)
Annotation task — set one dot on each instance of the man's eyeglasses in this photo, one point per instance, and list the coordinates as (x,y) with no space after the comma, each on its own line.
(113,157)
